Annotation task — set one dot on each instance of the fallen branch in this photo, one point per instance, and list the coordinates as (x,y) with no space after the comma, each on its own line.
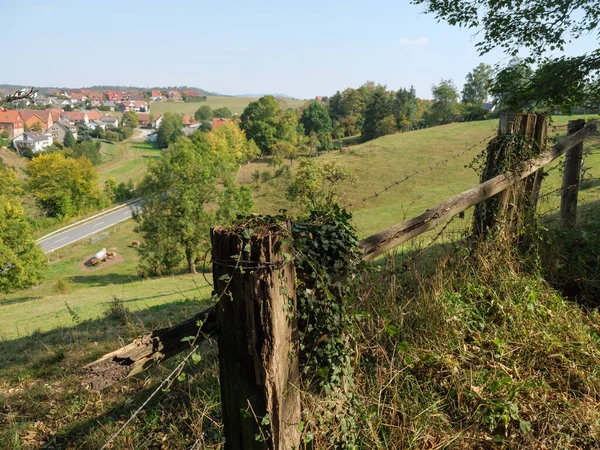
(150,349)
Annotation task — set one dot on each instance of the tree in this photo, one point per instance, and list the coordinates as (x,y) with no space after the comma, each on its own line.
(537,28)
(404,108)
(260,120)
(203,114)
(69,140)
(477,85)
(169,130)
(378,109)
(223,112)
(89,150)
(180,194)
(316,186)
(445,102)
(22,263)
(185,96)
(62,186)
(130,119)
(316,118)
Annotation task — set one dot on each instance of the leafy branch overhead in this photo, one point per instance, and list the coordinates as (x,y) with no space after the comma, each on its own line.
(537,27)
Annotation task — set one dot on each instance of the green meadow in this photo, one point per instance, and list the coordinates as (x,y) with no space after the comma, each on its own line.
(235,104)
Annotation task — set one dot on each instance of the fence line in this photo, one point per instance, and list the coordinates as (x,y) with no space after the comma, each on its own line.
(418,172)
(394,236)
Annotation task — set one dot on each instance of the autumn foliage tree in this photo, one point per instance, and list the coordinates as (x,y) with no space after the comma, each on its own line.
(193,187)
(62,186)
(22,263)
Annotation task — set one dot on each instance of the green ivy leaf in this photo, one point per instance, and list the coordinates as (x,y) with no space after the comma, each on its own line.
(392,330)
(196,358)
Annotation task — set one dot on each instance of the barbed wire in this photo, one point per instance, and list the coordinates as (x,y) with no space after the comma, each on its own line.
(418,172)
(177,369)
(167,381)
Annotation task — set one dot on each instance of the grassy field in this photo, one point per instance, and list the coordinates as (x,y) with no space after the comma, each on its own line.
(235,104)
(383,161)
(459,356)
(89,291)
(13,159)
(126,160)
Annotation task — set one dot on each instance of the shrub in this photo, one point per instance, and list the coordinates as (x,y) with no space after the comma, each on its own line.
(266,176)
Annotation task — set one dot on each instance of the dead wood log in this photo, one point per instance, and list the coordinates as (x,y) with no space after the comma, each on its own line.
(150,349)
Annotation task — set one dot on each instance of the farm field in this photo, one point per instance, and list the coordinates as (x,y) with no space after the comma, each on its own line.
(235,104)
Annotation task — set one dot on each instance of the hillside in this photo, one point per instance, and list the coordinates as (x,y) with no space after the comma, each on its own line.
(452,349)
(235,104)
(381,162)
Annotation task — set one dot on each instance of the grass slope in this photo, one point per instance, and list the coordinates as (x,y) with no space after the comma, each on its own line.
(89,291)
(381,162)
(235,104)
(127,160)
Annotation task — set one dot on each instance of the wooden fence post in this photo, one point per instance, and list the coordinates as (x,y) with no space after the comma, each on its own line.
(517,204)
(570,183)
(257,338)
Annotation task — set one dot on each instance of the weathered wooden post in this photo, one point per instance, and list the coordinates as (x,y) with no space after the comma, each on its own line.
(257,338)
(515,205)
(570,182)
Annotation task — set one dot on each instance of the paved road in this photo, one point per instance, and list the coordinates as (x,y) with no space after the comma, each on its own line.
(87,229)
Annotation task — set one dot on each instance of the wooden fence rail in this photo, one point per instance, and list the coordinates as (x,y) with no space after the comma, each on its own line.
(258,342)
(383,241)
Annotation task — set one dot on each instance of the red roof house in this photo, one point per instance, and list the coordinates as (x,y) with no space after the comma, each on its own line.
(219,122)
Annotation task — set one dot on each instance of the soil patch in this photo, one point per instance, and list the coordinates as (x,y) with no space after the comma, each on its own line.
(86,264)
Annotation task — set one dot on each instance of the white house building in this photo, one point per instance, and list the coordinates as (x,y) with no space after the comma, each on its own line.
(35,142)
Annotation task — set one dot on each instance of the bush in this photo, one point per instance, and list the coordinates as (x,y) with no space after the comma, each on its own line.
(266,176)
(113,136)
(126,132)
(61,286)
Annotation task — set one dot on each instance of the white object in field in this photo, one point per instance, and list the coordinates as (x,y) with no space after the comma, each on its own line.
(100,255)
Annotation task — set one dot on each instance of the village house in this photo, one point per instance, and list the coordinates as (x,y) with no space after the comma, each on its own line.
(96,123)
(144,119)
(114,96)
(109,104)
(94,114)
(75,116)
(110,121)
(188,120)
(58,130)
(55,113)
(219,122)
(12,122)
(136,97)
(158,121)
(37,120)
(32,141)
(137,106)
(95,96)
(191,93)
(156,96)
(78,97)
(174,95)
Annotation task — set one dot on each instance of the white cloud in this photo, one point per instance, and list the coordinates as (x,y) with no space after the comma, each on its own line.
(418,41)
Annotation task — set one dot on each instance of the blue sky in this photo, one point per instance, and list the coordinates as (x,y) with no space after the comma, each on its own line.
(302,49)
